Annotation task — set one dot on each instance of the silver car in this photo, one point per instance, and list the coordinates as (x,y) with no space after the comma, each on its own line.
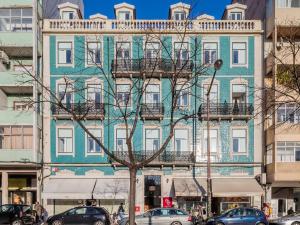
(287,220)
(161,216)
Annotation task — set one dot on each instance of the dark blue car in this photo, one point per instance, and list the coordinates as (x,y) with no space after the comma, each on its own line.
(242,216)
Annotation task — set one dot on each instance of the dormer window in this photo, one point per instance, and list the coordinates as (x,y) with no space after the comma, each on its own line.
(67,15)
(124,15)
(179,15)
(236,16)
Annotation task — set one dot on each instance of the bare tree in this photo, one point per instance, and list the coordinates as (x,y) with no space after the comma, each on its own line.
(181,69)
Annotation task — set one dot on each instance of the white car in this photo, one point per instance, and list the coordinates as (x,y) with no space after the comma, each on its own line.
(161,216)
(287,220)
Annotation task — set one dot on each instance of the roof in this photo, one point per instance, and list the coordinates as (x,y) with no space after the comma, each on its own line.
(68,5)
(125,5)
(181,5)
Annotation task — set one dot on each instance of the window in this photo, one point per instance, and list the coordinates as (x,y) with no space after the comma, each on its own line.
(239,53)
(92,145)
(181,140)
(123,94)
(123,55)
(239,93)
(213,141)
(210,52)
(181,51)
(236,16)
(179,15)
(124,15)
(64,52)
(152,139)
(23,106)
(152,50)
(16,19)
(121,145)
(213,95)
(93,53)
(239,140)
(94,93)
(65,93)
(288,151)
(152,94)
(288,3)
(269,155)
(65,140)
(67,15)
(16,137)
(288,113)
(183,95)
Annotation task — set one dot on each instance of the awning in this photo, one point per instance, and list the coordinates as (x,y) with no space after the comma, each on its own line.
(68,188)
(110,188)
(189,187)
(235,187)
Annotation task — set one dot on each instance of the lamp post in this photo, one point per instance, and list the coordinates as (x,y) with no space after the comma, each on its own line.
(217,66)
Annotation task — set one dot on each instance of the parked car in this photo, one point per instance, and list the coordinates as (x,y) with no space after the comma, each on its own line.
(240,216)
(293,219)
(161,216)
(87,215)
(16,215)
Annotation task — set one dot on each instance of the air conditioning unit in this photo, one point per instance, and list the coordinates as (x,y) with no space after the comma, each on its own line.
(4,58)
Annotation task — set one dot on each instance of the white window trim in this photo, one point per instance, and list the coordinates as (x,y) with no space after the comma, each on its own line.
(120,126)
(86,144)
(218,154)
(70,40)
(179,127)
(98,40)
(62,81)
(247,141)
(144,135)
(239,81)
(213,40)
(185,83)
(207,82)
(239,40)
(73,137)
(124,82)
(152,82)
(94,81)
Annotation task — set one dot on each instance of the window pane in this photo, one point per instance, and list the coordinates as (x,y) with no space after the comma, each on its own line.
(27,12)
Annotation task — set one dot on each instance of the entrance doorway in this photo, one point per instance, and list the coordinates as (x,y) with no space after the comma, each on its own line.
(152,192)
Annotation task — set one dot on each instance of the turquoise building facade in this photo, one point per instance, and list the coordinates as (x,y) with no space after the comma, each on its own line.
(77,170)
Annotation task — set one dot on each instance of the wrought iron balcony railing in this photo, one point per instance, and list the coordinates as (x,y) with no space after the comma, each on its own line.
(88,110)
(152,111)
(151,67)
(231,111)
(180,157)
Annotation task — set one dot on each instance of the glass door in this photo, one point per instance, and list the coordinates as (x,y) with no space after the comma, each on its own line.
(152,192)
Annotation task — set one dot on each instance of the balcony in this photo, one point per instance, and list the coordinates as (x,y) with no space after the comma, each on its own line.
(89,111)
(283,172)
(226,111)
(151,68)
(167,157)
(155,26)
(152,111)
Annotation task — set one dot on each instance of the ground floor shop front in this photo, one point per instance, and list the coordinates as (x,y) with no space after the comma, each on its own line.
(18,187)
(153,190)
(283,197)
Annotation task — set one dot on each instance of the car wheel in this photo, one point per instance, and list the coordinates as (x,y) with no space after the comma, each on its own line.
(176,223)
(17,222)
(57,222)
(99,222)
(296,223)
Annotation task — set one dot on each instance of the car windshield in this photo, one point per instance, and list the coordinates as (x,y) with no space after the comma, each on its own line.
(6,208)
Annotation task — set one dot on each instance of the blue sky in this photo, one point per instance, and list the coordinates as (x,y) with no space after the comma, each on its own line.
(155,9)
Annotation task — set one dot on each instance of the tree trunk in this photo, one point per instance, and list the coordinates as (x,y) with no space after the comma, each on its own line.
(132,193)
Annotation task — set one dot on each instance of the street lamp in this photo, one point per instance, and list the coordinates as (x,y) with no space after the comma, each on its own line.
(217,66)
